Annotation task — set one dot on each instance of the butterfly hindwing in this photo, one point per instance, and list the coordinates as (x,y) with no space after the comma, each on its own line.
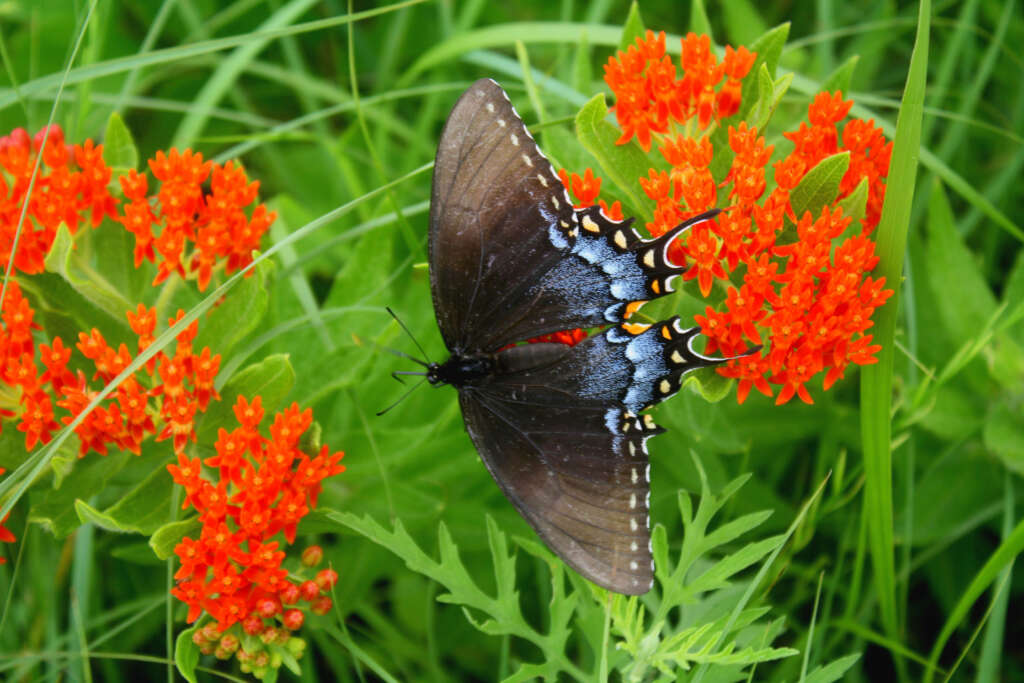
(559,430)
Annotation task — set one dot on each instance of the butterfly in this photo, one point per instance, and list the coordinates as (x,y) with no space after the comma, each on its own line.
(559,427)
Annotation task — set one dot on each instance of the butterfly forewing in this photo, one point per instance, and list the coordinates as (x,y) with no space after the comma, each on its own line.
(510,258)
(495,197)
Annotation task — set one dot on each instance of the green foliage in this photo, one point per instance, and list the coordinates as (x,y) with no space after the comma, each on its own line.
(119,150)
(621,164)
(820,186)
(692,622)
(915,537)
(633,28)
(186,654)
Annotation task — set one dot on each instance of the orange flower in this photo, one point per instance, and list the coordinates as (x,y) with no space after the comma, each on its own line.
(649,98)
(808,301)
(265,487)
(184,381)
(702,248)
(71,180)
(193,232)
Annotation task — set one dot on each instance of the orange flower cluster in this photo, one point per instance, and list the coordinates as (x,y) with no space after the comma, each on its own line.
(649,97)
(179,385)
(72,180)
(215,222)
(807,302)
(264,486)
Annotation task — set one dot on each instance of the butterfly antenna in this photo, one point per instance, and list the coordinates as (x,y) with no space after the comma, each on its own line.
(402,354)
(398,374)
(403,396)
(399,321)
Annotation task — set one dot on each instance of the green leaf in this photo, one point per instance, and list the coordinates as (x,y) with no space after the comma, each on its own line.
(820,186)
(742,21)
(699,22)
(582,72)
(876,387)
(833,671)
(63,462)
(1003,557)
(769,49)
(1004,434)
(503,610)
(1013,292)
(186,654)
(164,540)
(769,94)
(622,164)
(87,513)
(87,281)
(141,510)
(272,379)
(287,658)
(712,386)
(973,505)
(955,414)
(855,204)
(63,312)
(841,77)
(966,303)
(237,315)
(632,29)
(119,150)
(54,509)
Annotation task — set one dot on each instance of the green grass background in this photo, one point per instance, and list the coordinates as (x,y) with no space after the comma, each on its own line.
(906,557)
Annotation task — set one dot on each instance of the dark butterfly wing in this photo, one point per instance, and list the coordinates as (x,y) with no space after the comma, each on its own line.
(494,196)
(509,257)
(559,430)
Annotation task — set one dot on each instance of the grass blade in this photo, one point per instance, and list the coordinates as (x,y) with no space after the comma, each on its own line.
(876,380)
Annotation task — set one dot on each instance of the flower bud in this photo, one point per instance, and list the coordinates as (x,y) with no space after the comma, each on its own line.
(292,619)
(210,632)
(289,593)
(268,607)
(309,590)
(252,625)
(230,642)
(321,605)
(312,556)
(326,579)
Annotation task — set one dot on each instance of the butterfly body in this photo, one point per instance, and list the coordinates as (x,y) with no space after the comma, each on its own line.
(559,427)
(460,371)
